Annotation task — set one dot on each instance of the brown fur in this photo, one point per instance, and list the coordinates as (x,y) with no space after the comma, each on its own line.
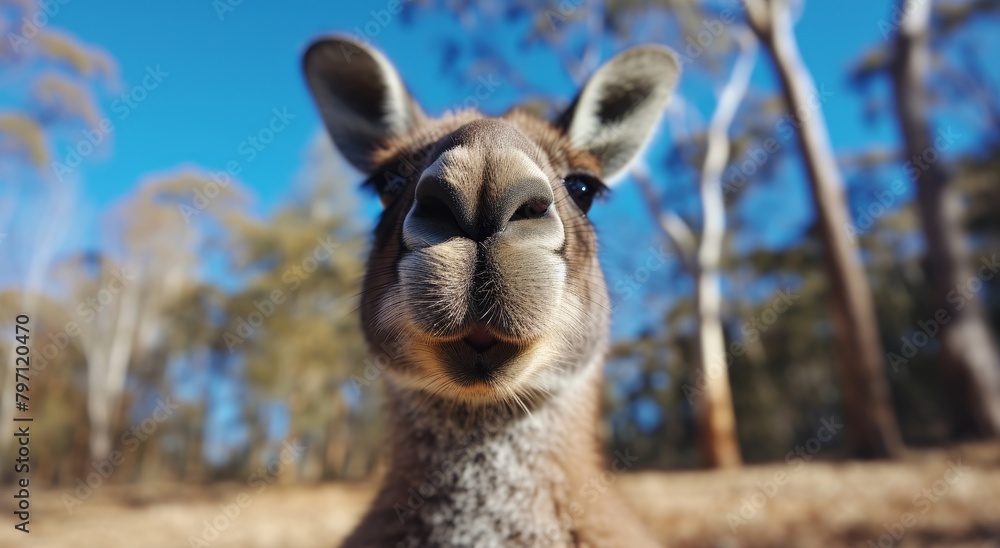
(572,457)
(485,302)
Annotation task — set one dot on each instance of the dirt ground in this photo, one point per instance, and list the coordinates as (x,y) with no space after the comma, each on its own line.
(932,498)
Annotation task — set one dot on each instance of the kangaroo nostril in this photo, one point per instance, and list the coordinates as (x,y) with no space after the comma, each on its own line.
(441,204)
(443,209)
(434,207)
(532,209)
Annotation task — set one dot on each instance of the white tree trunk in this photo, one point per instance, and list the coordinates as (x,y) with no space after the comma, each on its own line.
(107,376)
(716,421)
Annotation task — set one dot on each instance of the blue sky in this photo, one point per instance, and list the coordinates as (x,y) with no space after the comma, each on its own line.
(226,77)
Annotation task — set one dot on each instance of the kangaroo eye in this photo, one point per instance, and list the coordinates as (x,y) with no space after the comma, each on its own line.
(392,186)
(387,185)
(583,189)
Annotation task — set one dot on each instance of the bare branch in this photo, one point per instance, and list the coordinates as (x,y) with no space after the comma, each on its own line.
(717,152)
(758,18)
(671,224)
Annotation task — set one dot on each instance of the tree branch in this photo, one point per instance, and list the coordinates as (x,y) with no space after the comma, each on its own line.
(758,18)
(717,153)
(670,223)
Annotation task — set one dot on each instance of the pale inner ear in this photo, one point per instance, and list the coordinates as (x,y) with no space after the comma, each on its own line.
(397,106)
(360,96)
(614,115)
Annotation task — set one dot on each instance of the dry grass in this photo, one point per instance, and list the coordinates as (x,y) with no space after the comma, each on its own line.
(819,504)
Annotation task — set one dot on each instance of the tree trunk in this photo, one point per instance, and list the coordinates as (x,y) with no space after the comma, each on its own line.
(969,355)
(715,419)
(870,426)
(106,374)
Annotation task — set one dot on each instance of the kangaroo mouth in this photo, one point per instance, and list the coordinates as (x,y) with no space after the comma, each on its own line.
(480,339)
(479,358)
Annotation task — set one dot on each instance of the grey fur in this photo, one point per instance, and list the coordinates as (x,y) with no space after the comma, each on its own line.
(494,445)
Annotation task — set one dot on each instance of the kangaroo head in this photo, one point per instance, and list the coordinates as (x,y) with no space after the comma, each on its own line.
(483,278)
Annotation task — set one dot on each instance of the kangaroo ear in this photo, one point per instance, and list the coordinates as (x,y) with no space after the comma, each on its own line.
(360,96)
(614,115)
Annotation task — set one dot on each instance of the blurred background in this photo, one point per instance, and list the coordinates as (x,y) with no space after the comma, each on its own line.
(808,250)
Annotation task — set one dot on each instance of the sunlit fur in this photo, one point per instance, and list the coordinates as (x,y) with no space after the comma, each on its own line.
(547,297)
(484,301)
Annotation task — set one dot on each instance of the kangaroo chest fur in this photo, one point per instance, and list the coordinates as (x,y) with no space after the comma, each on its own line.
(493,479)
(499,477)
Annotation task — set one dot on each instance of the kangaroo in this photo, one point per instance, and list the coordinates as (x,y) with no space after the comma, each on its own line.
(484,299)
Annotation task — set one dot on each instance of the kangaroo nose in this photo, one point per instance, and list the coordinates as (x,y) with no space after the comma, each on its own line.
(443,210)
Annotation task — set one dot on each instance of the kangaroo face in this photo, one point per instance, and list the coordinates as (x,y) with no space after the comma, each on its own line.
(483,282)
